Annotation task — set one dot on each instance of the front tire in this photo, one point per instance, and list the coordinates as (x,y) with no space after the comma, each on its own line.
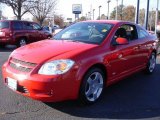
(151,63)
(92,86)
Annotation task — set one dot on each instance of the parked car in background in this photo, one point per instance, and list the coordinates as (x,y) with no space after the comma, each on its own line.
(21,32)
(52,28)
(56,31)
(80,61)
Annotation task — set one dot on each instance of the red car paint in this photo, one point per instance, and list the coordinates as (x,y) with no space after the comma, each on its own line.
(117,61)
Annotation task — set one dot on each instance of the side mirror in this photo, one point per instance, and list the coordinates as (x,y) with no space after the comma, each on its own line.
(41,28)
(121,41)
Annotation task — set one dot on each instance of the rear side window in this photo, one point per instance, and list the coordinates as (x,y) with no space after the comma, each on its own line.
(4,25)
(17,25)
(142,33)
(28,26)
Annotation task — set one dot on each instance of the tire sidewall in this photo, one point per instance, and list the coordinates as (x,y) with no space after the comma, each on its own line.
(82,97)
(148,65)
(18,43)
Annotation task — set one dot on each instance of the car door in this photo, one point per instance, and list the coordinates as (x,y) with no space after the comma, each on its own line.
(123,58)
(28,30)
(39,32)
(17,27)
(142,49)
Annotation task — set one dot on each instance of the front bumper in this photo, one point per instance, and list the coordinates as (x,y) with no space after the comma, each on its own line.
(44,88)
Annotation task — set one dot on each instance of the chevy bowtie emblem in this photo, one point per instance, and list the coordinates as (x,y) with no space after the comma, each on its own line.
(18,65)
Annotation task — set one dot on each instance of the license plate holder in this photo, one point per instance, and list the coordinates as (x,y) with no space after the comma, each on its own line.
(12,83)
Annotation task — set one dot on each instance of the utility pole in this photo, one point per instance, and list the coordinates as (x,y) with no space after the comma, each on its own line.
(0,12)
(116,11)
(137,13)
(86,16)
(89,15)
(108,8)
(156,20)
(100,12)
(151,19)
(146,15)
(93,13)
(122,10)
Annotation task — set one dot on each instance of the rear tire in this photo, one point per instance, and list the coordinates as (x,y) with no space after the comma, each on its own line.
(2,46)
(151,63)
(92,86)
(22,42)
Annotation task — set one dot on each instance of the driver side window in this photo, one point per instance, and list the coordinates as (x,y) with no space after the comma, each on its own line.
(126,31)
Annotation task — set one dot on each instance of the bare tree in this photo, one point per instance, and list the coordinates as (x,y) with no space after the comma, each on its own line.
(141,16)
(83,18)
(59,20)
(42,8)
(119,11)
(19,7)
(129,13)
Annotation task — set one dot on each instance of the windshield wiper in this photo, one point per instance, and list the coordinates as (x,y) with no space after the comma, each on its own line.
(73,41)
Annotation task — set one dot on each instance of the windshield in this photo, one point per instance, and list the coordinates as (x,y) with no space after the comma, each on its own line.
(88,32)
(4,25)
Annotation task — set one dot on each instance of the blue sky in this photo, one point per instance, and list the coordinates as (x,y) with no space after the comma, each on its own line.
(64,7)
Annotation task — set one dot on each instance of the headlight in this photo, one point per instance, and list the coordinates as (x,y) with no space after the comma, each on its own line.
(56,67)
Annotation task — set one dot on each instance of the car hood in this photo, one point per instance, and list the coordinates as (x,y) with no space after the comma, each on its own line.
(44,50)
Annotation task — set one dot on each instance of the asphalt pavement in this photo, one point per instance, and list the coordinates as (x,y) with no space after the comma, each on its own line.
(136,97)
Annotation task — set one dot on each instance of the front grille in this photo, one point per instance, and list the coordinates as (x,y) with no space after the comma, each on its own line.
(23,62)
(21,66)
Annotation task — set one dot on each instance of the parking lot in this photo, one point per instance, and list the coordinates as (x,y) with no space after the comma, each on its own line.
(136,97)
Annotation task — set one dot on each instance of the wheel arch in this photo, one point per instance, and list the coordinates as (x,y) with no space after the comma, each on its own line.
(21,37)
(154,51)
(25,37)
(96,65)
(100,66)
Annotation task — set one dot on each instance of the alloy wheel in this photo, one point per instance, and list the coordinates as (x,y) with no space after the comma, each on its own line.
(94,86)
(22,42)
(152,63)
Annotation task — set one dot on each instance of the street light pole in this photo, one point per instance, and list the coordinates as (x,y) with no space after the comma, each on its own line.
(146,15)
(156,20)
(122,10)
(86,16)
(93,13)
(100,12)
(89,15)
(117,10)
(108,8)
(137,13)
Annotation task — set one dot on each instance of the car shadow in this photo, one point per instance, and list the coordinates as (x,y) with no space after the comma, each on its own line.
(8,48)
(135,97)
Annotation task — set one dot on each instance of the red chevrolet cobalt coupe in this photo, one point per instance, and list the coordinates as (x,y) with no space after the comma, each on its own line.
(80,61)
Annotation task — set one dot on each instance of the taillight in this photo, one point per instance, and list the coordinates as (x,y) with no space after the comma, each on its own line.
(2,34)
(11,33)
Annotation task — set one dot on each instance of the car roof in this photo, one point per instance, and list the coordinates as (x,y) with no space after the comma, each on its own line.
(15,21)
(110,21)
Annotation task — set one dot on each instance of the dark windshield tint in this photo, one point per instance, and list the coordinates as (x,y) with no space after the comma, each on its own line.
(88,32)
(4,25)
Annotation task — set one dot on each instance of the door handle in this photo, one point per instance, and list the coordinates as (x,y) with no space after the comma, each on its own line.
(139,46)
(135,48)
(120,56)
